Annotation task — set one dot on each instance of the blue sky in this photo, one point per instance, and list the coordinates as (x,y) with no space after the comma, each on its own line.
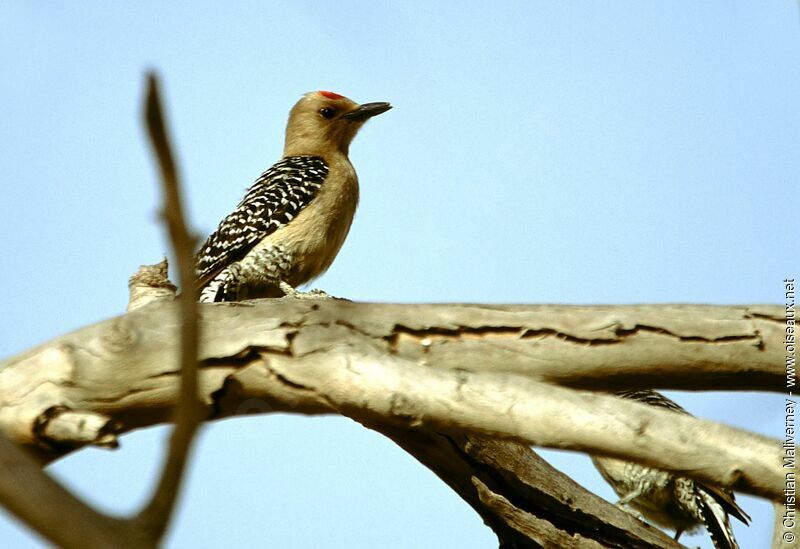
(538,152)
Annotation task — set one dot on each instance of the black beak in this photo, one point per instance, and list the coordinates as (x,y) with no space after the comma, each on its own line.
(367,110)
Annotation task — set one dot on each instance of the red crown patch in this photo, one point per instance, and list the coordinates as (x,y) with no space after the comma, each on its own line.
(331,95)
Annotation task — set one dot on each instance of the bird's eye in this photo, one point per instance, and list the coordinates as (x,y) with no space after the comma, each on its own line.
(327,112)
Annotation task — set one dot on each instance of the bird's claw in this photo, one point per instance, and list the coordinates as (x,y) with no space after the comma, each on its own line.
(294,293)
(630,510)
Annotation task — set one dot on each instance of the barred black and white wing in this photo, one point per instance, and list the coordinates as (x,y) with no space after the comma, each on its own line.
(714,507)
(272,201)
(652,398)
(709,505)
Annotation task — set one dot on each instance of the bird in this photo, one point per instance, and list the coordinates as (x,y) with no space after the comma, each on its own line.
(295,217)
(668,500)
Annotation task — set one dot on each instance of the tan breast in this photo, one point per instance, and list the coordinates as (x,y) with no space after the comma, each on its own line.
(316,235)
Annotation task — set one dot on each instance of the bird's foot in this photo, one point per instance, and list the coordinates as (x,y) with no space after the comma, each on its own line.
(628,509)
(294,293)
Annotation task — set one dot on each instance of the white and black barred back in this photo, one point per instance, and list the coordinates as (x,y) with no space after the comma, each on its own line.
(276,197)
(652,398)
(689,500)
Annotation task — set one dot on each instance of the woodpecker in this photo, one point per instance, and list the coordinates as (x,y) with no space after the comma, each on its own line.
(293,220)
(670,501)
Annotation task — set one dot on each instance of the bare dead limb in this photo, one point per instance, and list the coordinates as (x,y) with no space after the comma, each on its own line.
(54,512)
(33,496)
(334,357)
(369,386)
(156,514)
(521,497)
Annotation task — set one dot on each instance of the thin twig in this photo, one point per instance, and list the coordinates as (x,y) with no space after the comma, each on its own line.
(54,512)
(156,514)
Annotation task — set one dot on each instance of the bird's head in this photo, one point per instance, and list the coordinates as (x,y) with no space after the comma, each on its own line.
(324,122)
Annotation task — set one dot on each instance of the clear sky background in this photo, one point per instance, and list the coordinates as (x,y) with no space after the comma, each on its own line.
(538,152)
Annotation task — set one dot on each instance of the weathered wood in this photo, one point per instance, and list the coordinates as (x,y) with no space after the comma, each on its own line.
(55,513)
(523,499)
(360,360)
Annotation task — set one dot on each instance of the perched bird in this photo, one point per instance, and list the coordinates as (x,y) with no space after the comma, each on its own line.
(670,501)
(293,220)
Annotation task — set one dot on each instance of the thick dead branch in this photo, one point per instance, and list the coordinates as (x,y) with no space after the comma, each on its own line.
(524,500)
(357,360)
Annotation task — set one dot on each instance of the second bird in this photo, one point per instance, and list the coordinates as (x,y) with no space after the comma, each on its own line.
(669,500)
(293,220)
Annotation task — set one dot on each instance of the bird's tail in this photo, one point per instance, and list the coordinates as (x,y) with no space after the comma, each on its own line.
(714,511)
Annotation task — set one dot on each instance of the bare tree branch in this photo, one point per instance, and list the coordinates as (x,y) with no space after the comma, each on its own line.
(55,513)
(597,347)
(45,505)
(522,497)
(156,514)
(334,357)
